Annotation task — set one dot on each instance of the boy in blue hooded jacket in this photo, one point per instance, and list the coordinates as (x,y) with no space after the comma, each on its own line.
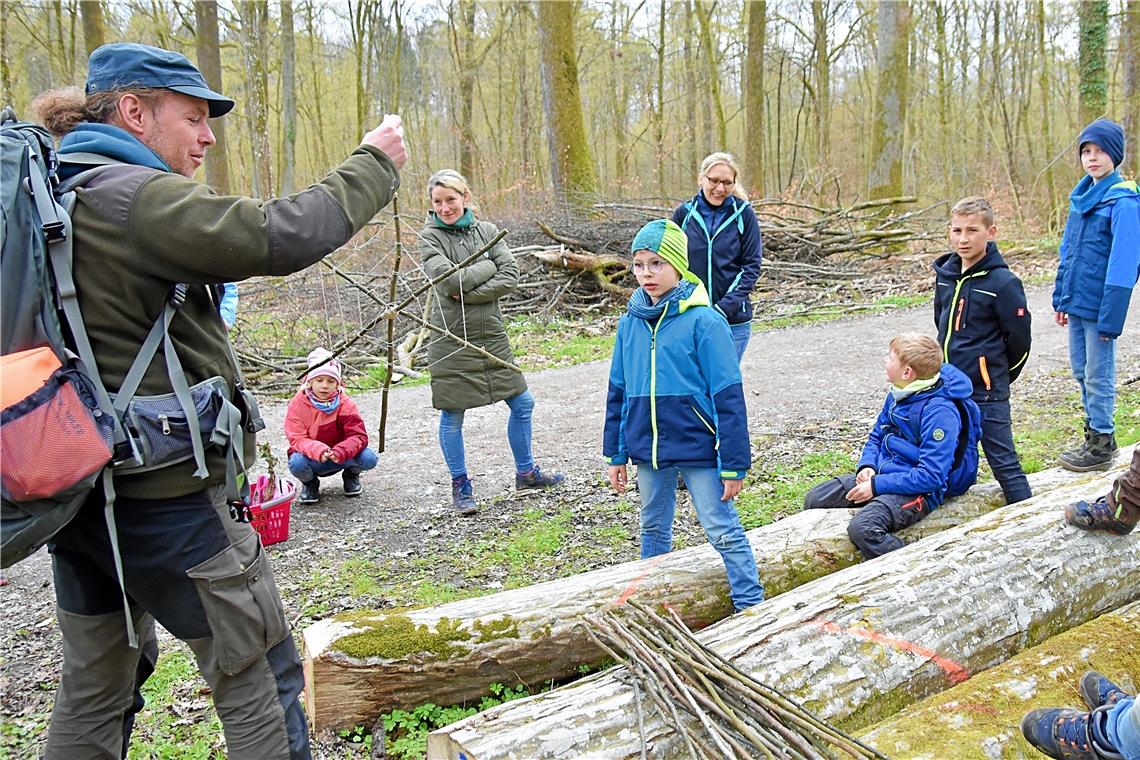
(903,471)
(1100,263)
(676,405)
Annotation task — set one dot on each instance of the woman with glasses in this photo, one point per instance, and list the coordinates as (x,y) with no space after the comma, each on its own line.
(467,306)
(675,408)
(724,243)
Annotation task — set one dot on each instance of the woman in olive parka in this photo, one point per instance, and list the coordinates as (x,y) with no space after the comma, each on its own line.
(466,305)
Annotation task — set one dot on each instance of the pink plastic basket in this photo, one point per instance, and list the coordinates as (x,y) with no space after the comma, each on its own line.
(269,508)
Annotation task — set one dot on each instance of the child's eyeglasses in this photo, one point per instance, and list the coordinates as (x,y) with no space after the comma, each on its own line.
(653,267)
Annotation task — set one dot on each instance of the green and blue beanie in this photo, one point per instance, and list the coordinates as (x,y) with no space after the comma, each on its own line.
(667,240)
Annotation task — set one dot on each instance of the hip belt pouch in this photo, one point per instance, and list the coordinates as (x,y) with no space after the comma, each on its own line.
(159,428)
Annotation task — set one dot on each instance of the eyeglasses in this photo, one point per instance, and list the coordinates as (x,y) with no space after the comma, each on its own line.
(653,267)
(725,183)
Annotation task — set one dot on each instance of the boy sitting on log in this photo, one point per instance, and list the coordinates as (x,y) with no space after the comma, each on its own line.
(904,471)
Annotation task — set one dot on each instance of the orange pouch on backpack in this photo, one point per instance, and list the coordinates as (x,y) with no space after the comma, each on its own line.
(52,436)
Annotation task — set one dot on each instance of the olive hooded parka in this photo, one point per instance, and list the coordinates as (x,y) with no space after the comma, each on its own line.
(467,305)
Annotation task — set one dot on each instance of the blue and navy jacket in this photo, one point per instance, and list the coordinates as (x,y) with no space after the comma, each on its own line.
(983,321)
(675,398)
(1100,253)
(726,256)
(912,454)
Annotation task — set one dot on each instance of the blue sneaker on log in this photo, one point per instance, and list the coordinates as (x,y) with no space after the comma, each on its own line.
(1096,515)
(1098,691)
(536,478)
(1066,734)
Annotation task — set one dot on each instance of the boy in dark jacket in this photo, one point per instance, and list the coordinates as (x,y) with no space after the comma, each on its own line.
(983,329)
(903,471)
(1100,260)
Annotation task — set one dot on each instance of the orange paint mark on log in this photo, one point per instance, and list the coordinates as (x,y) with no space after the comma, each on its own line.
(954,672)
(631,589)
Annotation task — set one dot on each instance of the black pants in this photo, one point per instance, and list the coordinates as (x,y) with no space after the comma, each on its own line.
(997,443)
(871,528)
(204,577)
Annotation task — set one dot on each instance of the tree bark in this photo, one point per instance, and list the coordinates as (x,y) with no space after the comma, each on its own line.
(546,641)
(889,124)
(210,64)
(1092,52)
(94,27)
(976,720)
(712,57)
(754,96)
(1130,52)
(854,646)
(464,52)
(288,99)
(822,48)
(255,33)
(571,165)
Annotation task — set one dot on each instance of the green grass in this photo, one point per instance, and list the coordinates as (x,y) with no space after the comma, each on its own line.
(360,577)
(177,722)
(542,344)
(772,493)
(529,547)
(373,379)
(841,310)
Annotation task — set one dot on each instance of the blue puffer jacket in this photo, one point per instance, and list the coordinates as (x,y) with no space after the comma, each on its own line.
(675,398)
(1100,253)
(914,456)
(731,252)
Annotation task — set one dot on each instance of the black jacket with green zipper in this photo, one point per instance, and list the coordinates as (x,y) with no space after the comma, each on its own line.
(983,321)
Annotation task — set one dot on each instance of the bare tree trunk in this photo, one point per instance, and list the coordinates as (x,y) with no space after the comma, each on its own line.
(5,63)
(210,64)
(571,165)
(1051,205)
(538,633)
(820,23)
(464,54)
(363,18)
(951,724)
(712,54)
(315,79)
(94,27)
(659,112)
(856,645)
(254,23)
(1130,52)
(889,126)
(753,94)
(1093,47)
(288,99)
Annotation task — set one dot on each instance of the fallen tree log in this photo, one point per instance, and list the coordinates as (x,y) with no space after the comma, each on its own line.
(979,719)
(857,645)
(362,664)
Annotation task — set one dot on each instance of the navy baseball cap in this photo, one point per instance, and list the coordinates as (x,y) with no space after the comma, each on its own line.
(128,64)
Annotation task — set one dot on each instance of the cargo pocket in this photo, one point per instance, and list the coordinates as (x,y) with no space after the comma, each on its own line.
(242,606)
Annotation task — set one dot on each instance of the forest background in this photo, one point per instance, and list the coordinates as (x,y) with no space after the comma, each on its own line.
(824,101)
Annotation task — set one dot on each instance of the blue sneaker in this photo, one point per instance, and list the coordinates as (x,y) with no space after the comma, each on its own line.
(462,495)
(1096,515)
(1098,691)
(1066,734)
(536,478)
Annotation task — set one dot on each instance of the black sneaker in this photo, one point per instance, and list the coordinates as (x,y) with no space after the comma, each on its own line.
(536,478)
(351,482)
(310,492)
(462,495)
(1095,454)
(1098,691)
(1096,515)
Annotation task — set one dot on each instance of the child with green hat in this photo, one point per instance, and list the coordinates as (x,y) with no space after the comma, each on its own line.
(676,405)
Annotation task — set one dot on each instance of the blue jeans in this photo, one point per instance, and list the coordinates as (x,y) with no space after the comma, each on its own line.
(719,519)
(1124,728)
(1094,366)
(740,335)
(305,469)
(997,443)
(518,435)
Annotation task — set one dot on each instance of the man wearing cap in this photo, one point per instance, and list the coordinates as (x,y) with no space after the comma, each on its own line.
(141,226)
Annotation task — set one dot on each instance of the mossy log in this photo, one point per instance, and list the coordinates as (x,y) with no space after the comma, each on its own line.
(858,645)
(979,719)
(359,665)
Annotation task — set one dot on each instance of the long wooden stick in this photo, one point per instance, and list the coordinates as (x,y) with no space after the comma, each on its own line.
(388,368)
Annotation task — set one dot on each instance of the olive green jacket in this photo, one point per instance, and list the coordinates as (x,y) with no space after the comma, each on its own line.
(139,231)
(467,305)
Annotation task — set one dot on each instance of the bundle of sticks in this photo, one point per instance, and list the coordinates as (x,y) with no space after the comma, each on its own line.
(718,711)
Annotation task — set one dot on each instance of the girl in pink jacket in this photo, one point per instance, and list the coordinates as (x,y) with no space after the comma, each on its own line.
(325,431)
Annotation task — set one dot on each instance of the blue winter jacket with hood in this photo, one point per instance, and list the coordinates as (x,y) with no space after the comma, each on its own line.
(912,454)
(1100,253)
(724,251)
(675,397)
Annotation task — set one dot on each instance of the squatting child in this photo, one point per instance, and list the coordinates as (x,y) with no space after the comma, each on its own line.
(984,330)
(1100,261)
(325,431)
(902,474)
(676,405)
